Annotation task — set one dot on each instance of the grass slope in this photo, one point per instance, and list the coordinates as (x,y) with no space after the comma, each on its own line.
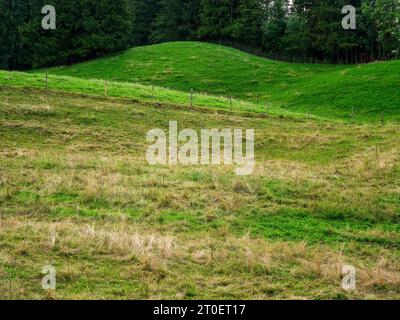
(325,90)
(145,94)
(75,192)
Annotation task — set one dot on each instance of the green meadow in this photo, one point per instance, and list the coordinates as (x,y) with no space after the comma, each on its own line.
(324,90)
(77,193)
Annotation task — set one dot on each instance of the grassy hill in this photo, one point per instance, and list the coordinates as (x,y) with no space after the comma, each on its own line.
(324,90)
(76,193)
(125,90)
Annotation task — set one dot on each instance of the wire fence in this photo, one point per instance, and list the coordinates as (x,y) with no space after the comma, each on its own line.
(193,99)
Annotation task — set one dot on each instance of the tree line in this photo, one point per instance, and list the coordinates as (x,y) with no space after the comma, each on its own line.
(299,30)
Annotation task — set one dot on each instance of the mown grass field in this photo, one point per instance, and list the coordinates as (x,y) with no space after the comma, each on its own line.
(77,193)
(324,90)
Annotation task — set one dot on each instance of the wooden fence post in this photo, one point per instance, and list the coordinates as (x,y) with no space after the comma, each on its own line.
(47,81)
(105,88)
(230,103)
(191,97)
(383,118)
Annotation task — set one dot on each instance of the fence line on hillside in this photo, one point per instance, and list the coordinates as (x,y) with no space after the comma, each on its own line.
(382,117)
